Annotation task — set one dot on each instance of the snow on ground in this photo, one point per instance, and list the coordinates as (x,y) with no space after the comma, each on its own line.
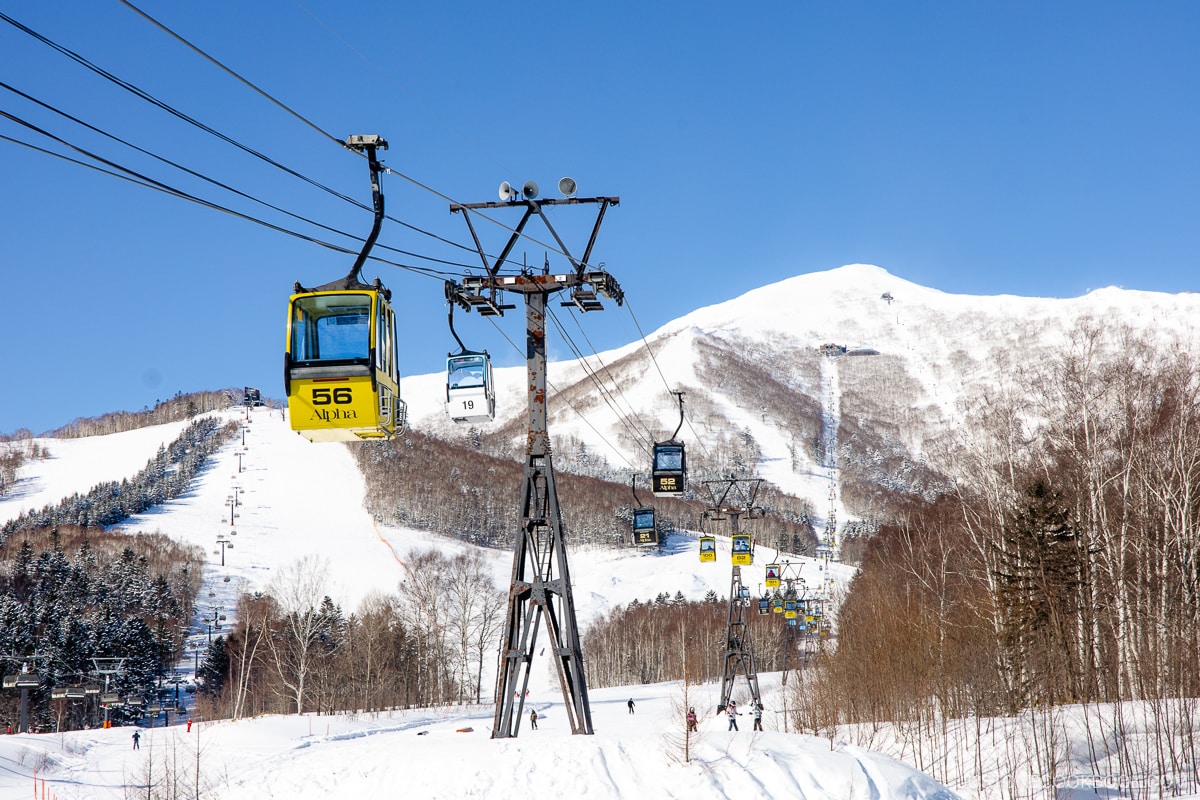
(430,753)
(297,499)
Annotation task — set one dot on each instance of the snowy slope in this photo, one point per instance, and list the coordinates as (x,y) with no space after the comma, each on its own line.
(299,499)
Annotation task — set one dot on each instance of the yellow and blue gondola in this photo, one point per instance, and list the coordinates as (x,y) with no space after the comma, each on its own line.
(340,373)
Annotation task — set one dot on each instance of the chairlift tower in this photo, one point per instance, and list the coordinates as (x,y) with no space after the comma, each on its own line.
(739,650)
(23,680)
(541,578)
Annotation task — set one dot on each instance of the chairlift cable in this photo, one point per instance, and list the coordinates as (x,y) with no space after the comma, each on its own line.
(387,75)
(554,388)
(138,179)
(231,73)
(604,391)
(323,132)
(616,385)
(144,95)
(213,181)
(650,352)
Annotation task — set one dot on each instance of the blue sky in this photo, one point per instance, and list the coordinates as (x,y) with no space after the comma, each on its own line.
(985,148)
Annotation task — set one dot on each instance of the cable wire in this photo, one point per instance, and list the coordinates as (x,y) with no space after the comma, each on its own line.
(142,94)
(658,368)
(220,184)
(557,393)
(231,73)
(605,393)
(145,181)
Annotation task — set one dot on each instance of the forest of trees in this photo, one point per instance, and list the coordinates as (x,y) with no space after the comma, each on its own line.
(69,594)
(180,407)
(1063,568)
(164,477)
(672,638)
(293,650)
(430,484)
(71,591)
(15,451)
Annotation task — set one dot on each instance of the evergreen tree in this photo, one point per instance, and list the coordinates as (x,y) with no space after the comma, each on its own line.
(214,669)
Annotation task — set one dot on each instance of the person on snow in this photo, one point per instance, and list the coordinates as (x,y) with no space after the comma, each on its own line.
(137,738)
(533,718)
(691,719)
(732,711)
(630,704)
(758,716)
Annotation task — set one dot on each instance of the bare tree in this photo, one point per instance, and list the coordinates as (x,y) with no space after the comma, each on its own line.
(298,591)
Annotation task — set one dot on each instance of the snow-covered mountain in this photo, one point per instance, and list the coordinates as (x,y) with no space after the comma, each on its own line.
(806,370)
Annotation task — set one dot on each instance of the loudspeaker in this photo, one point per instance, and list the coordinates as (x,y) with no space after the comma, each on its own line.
(567,186)
(530,190)
(507,192)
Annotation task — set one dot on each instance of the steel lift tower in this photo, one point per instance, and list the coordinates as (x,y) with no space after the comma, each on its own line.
(541,577)
(739,651)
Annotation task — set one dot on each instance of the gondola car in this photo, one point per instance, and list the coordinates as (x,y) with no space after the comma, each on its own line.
(340,369)
(340,372)
(470,394)
(669,476)
(742,551)
(645,531)
(708,548)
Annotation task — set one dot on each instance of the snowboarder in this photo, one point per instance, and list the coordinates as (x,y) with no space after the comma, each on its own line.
(758,716)
(732,711)
(691,719)
(137,738)
(630,704)
(533,718)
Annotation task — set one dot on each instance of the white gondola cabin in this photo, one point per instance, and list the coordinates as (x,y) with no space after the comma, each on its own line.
(470,394)
(645,531)
(708,548)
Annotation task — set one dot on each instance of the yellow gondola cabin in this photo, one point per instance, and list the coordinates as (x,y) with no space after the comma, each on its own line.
(341,375)
(340,369)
